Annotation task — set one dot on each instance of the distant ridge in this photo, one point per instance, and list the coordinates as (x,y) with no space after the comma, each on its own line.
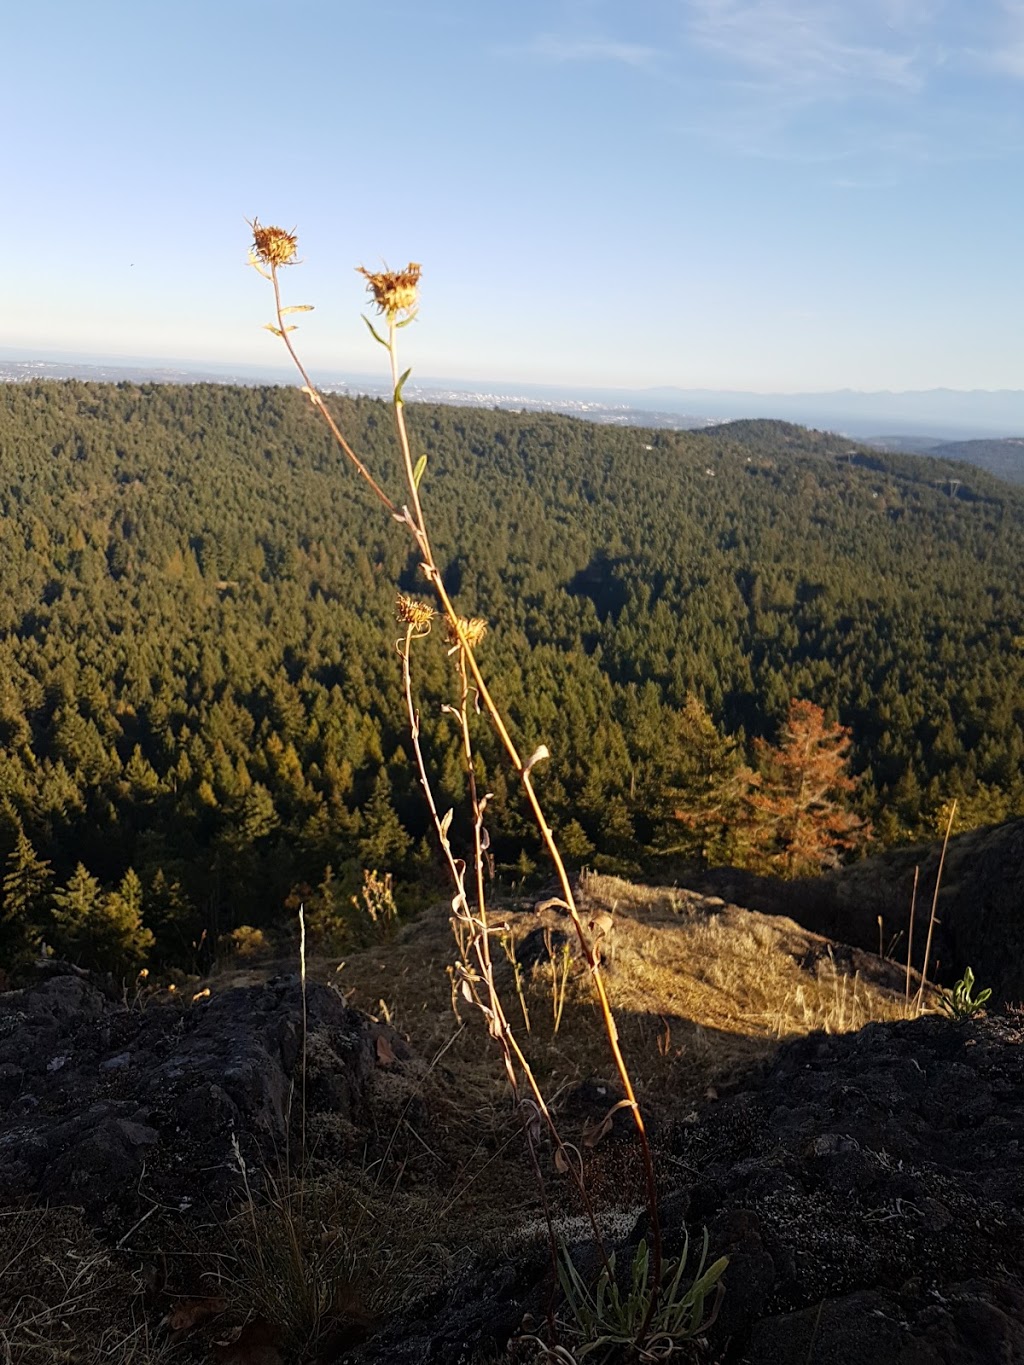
(919,420)
(1003,458)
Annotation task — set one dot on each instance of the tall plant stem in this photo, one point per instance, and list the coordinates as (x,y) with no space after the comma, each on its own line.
(910,933)
(415,521)
(547,834)
(935,906)
(498,1023)
(476,807)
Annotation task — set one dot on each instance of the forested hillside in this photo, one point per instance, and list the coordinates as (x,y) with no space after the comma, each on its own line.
(1003,458)
(199,703)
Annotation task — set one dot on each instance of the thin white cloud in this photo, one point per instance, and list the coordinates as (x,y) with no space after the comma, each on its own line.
(825,46)
(862,84)
(553,48)
(1007,53)
(875,145)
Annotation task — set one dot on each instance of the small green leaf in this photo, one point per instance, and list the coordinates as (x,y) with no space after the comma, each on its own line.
(405,321)
(400,386)
(417,473)
(298,308)
(375,334)
(269,327)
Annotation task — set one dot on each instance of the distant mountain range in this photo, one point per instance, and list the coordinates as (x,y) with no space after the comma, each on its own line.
(984,427)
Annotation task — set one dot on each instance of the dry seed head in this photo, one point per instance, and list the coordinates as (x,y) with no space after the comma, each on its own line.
(473,629)
(272,246)
(413,613)
(394,291)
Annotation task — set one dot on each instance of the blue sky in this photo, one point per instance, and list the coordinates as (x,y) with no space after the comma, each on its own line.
(765,194)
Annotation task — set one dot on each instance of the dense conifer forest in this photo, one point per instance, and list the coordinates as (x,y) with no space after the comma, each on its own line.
(200,712)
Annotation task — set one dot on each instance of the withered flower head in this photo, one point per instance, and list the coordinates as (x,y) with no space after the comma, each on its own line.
(474,629)
(272,246)
(394,291)
(414,613)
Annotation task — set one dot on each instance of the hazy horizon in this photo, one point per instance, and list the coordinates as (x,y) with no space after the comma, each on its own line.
(939,414)
(28,356)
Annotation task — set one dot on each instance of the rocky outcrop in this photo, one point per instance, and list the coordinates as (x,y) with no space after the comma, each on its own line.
(868,1189)
(111,1108)
(870,1192)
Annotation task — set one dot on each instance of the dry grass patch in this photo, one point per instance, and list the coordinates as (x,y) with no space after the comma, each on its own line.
(738,971)
(702,992)
(65,1299)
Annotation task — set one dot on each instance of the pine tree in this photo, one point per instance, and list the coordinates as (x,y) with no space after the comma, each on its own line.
(574,845)
(141,777)
(384,842)
(121,941)
(257,816)
(170,915)
(75,909)
(104,931)
(327,917)
(700,804)
(27,903)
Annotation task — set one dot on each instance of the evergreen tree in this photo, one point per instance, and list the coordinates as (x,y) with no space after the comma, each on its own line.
(327,911)
(256,818)
(700,805)
(171,917)
(102,931)
(574,845)
(120,942)
(76,911)
(27,900)
(384,842)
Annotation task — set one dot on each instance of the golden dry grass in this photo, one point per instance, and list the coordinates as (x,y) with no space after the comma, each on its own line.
(700,989)
(702,993)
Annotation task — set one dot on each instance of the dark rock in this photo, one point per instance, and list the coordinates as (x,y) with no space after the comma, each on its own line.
(979,1323)
(752,1273)
(95,1094)
(896,1181)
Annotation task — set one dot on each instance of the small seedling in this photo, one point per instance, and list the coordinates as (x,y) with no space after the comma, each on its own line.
(960,1003)
(611,1316)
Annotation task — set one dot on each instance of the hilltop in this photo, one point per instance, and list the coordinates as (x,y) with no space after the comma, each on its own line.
(1004,457)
